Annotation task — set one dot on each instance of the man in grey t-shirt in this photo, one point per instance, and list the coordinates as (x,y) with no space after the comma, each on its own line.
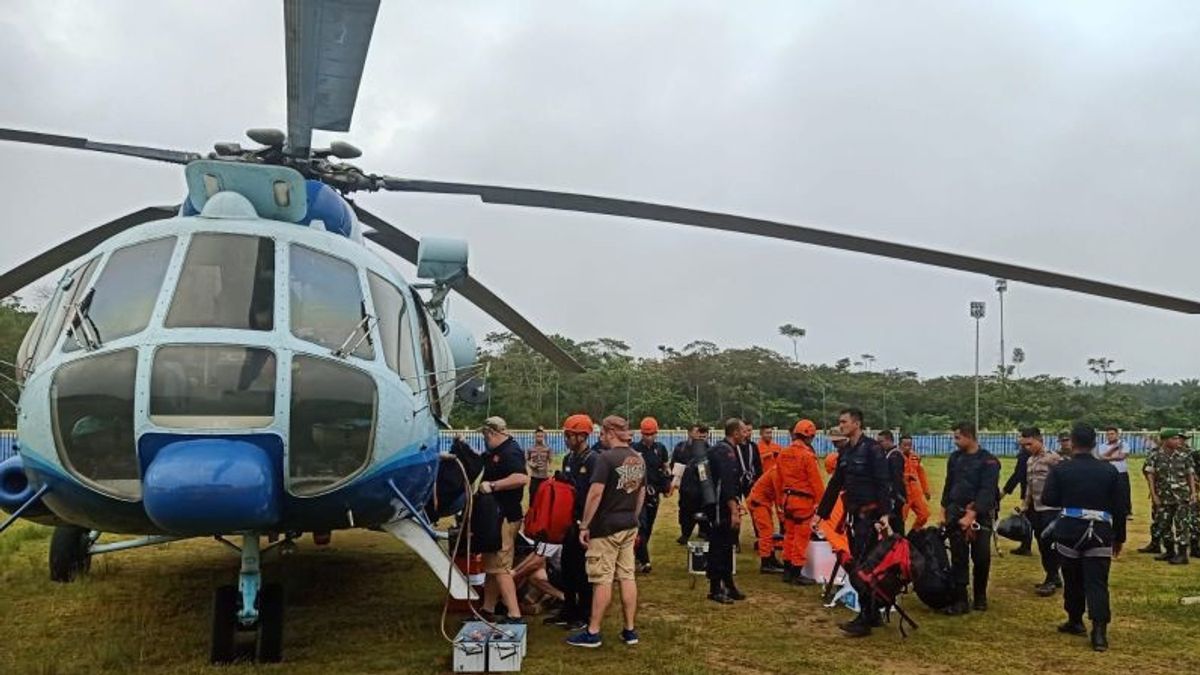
(608,529)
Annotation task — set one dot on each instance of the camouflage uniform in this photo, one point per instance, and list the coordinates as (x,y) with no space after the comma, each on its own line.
(1194,512)
(1148,471)
(1171,472)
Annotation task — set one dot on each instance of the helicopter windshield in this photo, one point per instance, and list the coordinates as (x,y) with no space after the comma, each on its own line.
(212,387)
(331,426)
(326,302)
(228,281)
(92,401)
(124,295)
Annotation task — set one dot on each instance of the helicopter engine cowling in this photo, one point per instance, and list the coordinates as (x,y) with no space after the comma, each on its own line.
(207,485)
(15,490)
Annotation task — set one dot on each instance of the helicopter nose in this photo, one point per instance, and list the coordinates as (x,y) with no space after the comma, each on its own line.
(201,486)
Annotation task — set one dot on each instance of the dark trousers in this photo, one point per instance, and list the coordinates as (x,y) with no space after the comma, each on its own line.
(1126,492)
(1050,559)
(577,604)
(966,553)
(863,537)
(721,539)
(534,484)
(641,551)
(1085,584)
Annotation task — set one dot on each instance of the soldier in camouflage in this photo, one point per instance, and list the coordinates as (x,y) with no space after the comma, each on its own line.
(1155,535)
(1194,515)
(1173,492)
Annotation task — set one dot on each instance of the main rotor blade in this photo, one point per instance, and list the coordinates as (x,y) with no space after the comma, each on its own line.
(39,266)
(38,138)
(564,201)
(327,44)
(405,246)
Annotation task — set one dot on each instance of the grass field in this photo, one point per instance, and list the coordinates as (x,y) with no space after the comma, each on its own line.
(366,604)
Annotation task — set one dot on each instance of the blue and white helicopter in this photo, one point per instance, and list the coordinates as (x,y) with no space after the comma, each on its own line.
(243,364)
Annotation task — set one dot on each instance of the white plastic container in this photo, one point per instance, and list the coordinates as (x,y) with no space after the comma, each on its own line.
(479,648)
(819,563)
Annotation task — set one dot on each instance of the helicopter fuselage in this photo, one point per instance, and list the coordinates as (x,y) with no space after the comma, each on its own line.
(224,373)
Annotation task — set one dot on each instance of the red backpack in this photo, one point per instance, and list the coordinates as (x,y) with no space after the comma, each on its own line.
(887,571)
(552,511)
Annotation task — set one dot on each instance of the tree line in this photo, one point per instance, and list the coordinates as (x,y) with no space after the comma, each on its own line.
(701,382)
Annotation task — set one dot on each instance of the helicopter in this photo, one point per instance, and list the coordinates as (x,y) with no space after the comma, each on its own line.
(246,364)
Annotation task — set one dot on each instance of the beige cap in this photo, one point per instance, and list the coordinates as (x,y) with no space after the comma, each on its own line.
(496,424)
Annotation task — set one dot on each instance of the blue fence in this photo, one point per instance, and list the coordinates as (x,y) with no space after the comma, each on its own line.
(999,444)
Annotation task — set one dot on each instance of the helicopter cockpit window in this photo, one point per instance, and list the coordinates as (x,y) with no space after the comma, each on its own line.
(332,424)
(395,330)
(228,281)
(92,401)
(327,305)
(67,294)
(124,295)
(212,387)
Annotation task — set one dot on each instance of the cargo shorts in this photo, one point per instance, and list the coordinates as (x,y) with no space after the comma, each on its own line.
(611,557)
(501,562)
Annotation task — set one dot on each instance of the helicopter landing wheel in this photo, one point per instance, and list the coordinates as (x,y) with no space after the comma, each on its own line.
(69,552)
(270,624)
(233,641)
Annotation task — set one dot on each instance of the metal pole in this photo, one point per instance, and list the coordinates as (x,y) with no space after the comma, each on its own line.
(977,373)
(557,418)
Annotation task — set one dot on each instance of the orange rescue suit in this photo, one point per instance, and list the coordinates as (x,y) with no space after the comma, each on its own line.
(767,452)
(917,487)
(831,462)
(800,489)
(764,500)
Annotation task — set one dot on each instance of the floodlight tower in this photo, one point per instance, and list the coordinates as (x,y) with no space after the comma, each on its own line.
(1001,287)
(978,309)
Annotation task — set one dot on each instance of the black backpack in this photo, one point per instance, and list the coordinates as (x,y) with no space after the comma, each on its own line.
(486,521)
(697,489)
(935,586)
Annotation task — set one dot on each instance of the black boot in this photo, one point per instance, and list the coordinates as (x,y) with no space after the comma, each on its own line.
(1073,627)
(769,565)
(1023,549)
(1195,549)
(1152,547)
(1167,554)
(859,627)
(1099,636)
(1179,558)
(789,573)
(960,605)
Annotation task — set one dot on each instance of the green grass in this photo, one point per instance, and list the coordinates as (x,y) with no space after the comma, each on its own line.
(366,604)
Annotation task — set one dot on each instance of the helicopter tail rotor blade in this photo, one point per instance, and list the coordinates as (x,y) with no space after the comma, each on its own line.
(55,140)
(807,235)
(327,43)
(405,246)
(39,266)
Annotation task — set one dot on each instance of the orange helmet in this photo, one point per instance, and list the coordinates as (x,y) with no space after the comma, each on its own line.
(805,428)
(580,424)
(649,425)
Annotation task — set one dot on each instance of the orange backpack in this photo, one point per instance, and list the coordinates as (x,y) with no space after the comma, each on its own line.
(552,511)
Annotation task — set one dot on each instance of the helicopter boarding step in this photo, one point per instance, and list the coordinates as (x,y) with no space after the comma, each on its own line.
(419,540)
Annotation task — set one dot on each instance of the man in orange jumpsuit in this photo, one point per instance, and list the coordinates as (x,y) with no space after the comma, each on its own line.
(768,449)
(916,485)
(801,489)
(764,502)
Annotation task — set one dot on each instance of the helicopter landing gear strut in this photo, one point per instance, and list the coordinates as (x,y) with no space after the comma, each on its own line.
(247,620)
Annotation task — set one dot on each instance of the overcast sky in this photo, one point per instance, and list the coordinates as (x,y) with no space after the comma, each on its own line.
(1055,134)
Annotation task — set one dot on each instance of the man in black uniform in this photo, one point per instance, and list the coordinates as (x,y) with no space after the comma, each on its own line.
(749,461)
(895,460)
(1089,532)
(578,467)
(695,447)
(863,480)
(1020,477)
(658,481)
(725,517)
(968,502)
